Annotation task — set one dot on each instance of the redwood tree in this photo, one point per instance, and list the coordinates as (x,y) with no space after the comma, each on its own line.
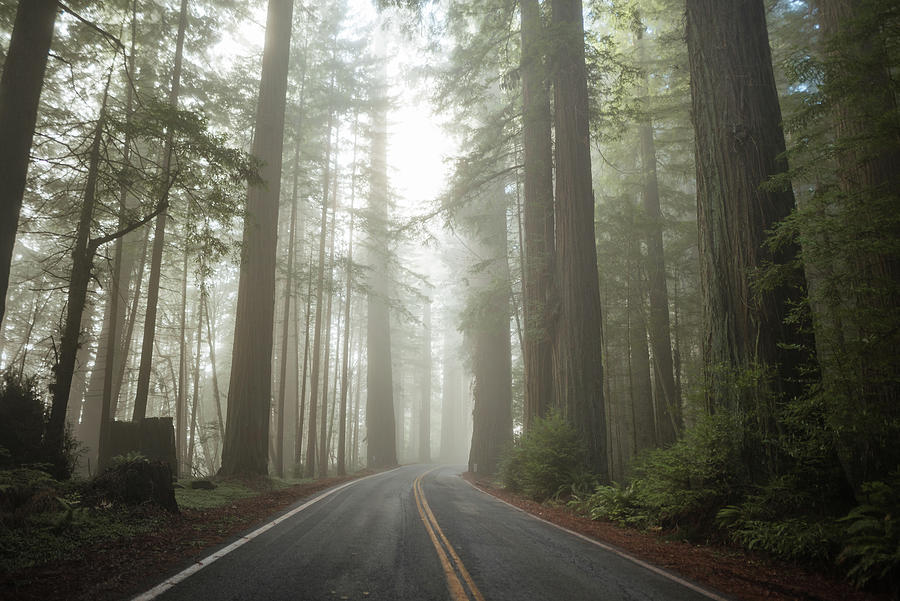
(250,389)
(538,214)
(20,93)
(739,144)
(577,348)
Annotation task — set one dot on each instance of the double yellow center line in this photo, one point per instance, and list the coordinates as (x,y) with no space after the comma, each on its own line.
(454,569)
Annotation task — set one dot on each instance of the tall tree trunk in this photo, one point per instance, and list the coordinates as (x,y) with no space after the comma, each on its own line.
(115,352)
(345,370)
(143,385)
(180,395)
(357,397)
(739,146)
(492,362)
(577,349)
(129,328)
(854,286)
(537,272)
(381,426)
(288,289)
(250,388)
(425,417)
(451,399)
(302,409)
(20,93)
(211,343)
(82,268)
(323,432)
(195,403)
(668,403)
(311,440)
(639,388)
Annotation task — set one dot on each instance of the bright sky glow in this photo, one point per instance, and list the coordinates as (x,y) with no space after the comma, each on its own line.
(417,146)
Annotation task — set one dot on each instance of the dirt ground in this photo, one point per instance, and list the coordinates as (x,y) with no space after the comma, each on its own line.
(728,570)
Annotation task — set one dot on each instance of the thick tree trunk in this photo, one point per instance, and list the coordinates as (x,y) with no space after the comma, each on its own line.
(577,349)
(491,361)
(250,388)
(143,385)
(381,425)
(539,253)
(20,93)
(739,144)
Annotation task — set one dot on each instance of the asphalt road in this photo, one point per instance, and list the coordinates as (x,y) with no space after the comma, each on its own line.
(419,533)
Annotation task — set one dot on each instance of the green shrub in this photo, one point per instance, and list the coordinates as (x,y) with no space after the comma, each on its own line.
(619,504)
(548,461)
(21,420)
(792,538)
(25,492)
(871,550)
(682,486)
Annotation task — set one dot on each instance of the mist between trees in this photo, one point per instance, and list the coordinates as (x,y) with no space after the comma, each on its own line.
(657,218)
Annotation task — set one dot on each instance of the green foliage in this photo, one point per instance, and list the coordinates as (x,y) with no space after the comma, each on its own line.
(547,461)
(681,486)
(26,491)
(617,503)
(872,535)
(21,420)
(225,492)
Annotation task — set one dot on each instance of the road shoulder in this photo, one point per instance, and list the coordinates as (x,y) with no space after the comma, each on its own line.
(731,571)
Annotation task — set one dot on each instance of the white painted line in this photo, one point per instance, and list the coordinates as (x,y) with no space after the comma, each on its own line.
(655,569)
(159,589)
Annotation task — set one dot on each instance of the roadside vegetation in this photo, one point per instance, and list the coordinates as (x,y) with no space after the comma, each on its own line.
(701,489)
(45,520)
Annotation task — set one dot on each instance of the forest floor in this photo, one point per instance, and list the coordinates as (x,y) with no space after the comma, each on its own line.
(115,568)
(729,570)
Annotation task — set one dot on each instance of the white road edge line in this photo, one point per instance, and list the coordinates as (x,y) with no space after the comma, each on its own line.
(159,589)
(655,569)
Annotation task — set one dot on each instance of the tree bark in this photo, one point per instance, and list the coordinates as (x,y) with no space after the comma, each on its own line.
(20,94)
(739,145)
(577,349)
(491,359)
(381,426)
(539,236)
(250,388)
